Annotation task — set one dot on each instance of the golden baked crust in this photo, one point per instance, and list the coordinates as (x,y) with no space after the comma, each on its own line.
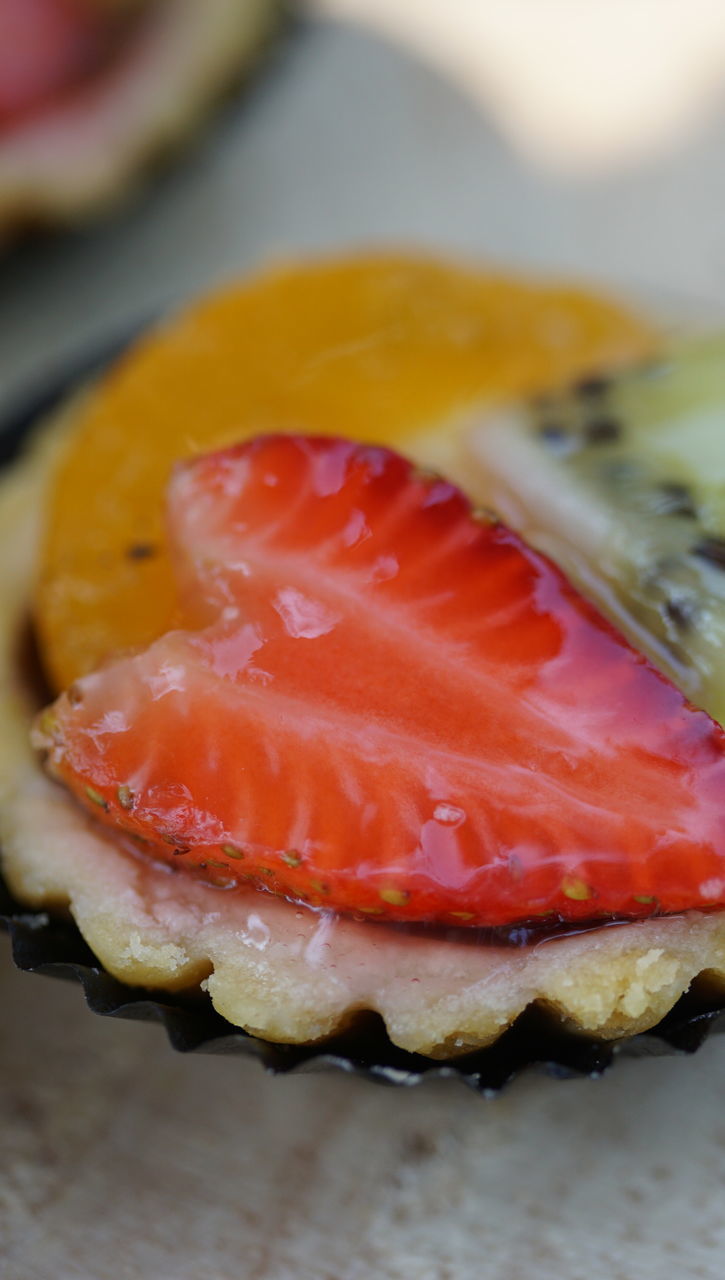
(283,972)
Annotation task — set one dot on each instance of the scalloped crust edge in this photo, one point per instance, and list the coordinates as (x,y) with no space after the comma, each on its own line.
(290,974)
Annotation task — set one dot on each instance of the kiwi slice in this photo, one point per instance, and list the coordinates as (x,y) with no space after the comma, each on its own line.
(621,480)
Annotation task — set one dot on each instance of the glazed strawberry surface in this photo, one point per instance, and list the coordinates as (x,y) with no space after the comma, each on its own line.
(391,707)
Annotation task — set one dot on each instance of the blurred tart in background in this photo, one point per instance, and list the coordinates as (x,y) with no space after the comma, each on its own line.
(92,92)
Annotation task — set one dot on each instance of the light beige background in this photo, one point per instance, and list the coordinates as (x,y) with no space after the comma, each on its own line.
(121,1160)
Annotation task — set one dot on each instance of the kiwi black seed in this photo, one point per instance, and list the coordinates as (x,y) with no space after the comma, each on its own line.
(603,431)
(711,549)
(672,498)
(592,387)
(682,611)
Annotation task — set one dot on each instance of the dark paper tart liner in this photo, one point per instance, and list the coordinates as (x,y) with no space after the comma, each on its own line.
(52,944)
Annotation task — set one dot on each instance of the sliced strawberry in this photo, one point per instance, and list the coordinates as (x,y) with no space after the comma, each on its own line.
(394,708)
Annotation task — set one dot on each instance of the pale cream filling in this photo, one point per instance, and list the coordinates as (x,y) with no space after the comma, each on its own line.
(282,972)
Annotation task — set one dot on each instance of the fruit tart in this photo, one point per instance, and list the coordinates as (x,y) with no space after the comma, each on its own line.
(94,91)
(330,725)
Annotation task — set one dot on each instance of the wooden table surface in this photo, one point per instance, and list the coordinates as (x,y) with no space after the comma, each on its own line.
(124,1160)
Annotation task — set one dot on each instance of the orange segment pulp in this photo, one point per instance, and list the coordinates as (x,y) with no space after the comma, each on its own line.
(380,348)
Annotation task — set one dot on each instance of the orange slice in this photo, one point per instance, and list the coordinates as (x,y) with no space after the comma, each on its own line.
(383,348)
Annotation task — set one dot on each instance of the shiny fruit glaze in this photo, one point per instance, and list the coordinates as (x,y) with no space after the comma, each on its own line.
(393,708)
(377,348)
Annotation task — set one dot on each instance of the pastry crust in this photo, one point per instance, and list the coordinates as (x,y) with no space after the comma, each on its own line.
(283,972)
